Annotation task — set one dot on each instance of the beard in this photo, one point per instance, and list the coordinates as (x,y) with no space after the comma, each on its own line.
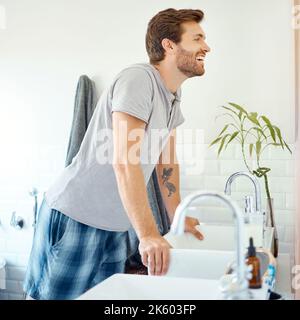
(188,65)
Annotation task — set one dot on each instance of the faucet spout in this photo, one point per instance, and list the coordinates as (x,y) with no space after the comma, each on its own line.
(256,185)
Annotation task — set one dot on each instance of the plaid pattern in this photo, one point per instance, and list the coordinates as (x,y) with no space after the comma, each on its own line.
(68,257)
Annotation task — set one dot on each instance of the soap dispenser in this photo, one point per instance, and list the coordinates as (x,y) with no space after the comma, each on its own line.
(256,281)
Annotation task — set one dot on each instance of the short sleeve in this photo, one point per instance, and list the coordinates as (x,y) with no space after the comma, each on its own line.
(132,93)
(179,118)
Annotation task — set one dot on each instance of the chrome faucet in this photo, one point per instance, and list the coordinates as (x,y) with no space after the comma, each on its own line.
(240,288)
(255,183)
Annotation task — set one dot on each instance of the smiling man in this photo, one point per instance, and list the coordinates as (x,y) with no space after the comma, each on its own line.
(81,233)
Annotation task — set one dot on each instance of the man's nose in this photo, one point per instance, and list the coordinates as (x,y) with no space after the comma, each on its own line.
(207,48)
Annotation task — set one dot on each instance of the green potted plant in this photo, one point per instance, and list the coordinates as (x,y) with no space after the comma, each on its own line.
(255,134)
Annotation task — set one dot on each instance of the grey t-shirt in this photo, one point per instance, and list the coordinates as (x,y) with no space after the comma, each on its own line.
(87,189)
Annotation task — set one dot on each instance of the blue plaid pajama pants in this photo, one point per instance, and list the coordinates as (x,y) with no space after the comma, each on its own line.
(68,258)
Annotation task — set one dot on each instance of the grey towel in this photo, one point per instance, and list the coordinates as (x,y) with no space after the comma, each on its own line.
(85,103)
(157,205)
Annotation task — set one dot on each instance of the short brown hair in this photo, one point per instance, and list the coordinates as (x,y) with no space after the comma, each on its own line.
(167,24)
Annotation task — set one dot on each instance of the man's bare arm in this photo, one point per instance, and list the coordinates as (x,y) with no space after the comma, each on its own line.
(167,170)
(154,249)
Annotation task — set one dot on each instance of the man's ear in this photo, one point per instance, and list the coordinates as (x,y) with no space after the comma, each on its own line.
(168,45)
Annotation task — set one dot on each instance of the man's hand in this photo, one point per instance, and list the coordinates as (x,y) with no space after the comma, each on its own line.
(190,226)
(155,253)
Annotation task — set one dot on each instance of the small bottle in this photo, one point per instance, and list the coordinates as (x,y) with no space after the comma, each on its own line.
(255,281)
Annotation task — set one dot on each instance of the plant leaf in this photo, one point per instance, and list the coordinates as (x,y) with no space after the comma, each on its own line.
(276,144)
(231,116)
(258,147)
(260,131)
(251,149)
(270,127)
(279,136)
(241,109)
(229,109)
(252,116)
(223,130)
(215,141)
(232,137)
(287,147)
(222,143)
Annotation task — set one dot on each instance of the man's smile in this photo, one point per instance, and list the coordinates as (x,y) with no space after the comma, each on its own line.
(200,59)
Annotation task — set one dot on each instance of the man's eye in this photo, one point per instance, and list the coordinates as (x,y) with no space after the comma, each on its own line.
(197,39)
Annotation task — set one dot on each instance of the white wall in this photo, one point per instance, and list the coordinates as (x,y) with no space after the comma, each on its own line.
(251,63)
(47,45)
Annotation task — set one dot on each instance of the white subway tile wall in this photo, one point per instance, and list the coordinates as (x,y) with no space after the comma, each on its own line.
(281,182)
(15,245)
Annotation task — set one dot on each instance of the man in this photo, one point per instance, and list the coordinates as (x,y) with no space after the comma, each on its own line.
(80,238)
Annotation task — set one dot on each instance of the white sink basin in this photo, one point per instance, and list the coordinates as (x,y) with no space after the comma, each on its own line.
(210,264)
(211,258)
(140,287)
(203,264)
(192,275)
(220,237)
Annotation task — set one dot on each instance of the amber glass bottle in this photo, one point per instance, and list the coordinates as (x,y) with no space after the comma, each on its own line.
(252,259)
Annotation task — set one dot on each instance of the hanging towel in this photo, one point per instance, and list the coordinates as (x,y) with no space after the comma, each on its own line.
(85,103)
(157,205)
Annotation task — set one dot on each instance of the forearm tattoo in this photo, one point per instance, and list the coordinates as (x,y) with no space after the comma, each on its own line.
(165,177)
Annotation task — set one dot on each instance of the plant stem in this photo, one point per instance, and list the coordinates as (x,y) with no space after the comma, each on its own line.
(267,186)
(270,205)
(244,158)
(269,200)
(243,146)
